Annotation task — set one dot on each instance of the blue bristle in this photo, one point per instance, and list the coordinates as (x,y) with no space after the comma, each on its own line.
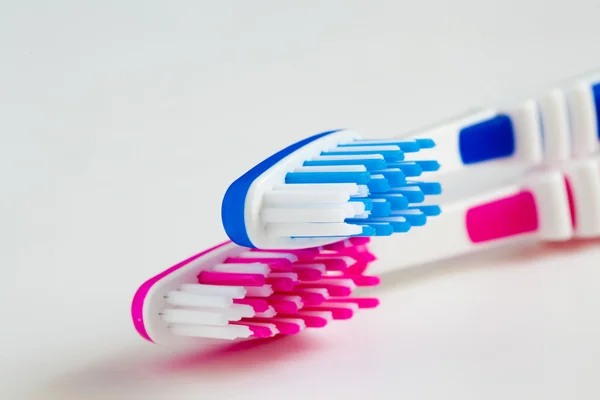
(426,143)
(367,231)
(389,155)
(378,185)
(429,211)
(398,224)
(414,219)
(429,165)
(365,200)
(381,208)
(428,188)
(412,193)
(369,163)
(409,168)
(395,176)
(397,201)
(381,229)
(360,177)
(407,146)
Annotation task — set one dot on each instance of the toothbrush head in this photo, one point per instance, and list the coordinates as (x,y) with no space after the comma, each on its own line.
(231,292)
(327,187)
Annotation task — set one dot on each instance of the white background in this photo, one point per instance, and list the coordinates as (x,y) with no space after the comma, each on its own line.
(122,123)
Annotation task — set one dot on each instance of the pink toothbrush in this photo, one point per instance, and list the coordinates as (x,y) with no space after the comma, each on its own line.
(233,292)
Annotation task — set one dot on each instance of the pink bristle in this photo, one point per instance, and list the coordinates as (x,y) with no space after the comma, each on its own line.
(311,321)
(364,280)
(282,264)
(359,280)
(284,306)
(259,305)
(332,288)
(339,246)
(309,298)
(336,312)
(301,254)
(284,327)
(332,264)
(258,331)
(276,267)
(308,274)
(357,268)
(358,240)
(361,302)
(282,284)
(364,257)
(230,279)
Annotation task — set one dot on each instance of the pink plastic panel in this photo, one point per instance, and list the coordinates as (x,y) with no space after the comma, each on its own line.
(502,218)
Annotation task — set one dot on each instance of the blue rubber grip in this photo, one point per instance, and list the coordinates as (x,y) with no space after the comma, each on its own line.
(487,140)
(234,201)
(596,93)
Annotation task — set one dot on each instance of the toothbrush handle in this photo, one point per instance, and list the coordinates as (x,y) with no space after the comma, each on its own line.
(485,136)
(539,211)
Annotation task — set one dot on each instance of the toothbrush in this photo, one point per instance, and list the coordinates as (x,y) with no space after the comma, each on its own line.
(546,206)
(231,292)
(327,187)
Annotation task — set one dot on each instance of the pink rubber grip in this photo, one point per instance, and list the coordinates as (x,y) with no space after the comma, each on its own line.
(502,218)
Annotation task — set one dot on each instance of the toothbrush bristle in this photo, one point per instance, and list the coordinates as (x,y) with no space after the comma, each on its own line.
(263,293)
(356,189)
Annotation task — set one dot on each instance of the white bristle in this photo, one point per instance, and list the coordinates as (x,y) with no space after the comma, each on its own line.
(250,268)
(233,313)
(185,299)
(363,191)
(309,230)
(199,317)
(332,168)
(291,275)
(268,313)
(350,188)
(281,215)
(283,197)
(235,292)
(356,149)
(268,254)
(259,291)
(350,157)
(229,332)
(358,207)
